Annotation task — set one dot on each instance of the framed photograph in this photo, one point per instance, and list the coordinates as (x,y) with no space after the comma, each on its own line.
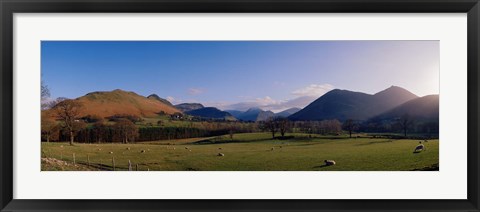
(239,105)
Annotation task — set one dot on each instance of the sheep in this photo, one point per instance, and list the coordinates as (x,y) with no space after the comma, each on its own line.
(128,148)
(420,148)
(99,149)
(111,152)
(220,148)
(330,162)
(186,147)
(272,149)
(221,154)
(143,151)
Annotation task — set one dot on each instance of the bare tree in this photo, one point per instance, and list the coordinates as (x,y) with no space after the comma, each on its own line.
(271,125)
(405,121)
(232,128)
(45,91)
(283,125)
(350,126)
(69,111)
(45,94)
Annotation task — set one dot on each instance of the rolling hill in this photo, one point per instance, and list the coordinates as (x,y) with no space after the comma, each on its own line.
(211,113)
(420,109)
(109,103)
(184,107)
(344,104)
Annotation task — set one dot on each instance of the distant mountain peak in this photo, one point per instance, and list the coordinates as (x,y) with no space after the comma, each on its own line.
(393,90)
(253,114)
(156,97)
(153,96)
(254,109)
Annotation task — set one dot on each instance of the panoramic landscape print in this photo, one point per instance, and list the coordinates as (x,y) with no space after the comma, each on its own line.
(240,106)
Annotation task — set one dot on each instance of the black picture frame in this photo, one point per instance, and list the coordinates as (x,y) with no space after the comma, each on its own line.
(9,7)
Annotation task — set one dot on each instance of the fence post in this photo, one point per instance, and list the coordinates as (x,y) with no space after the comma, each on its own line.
(73,158)
(88,160)
(129,165)
(136,167)
(113,162)
(61,155)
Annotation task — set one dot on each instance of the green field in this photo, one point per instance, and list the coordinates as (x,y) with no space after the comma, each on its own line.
(247,152)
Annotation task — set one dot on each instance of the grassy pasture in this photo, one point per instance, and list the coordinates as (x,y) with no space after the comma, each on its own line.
(249,152)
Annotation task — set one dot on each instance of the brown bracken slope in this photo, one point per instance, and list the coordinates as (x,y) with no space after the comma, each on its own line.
(119,102)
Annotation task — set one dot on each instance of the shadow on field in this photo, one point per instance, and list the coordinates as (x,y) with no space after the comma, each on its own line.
(375,142)
(285,138)
(218,141)
(321,166)
(433,167)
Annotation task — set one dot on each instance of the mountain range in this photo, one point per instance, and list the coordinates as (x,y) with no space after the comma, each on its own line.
(336,104)
(344,104)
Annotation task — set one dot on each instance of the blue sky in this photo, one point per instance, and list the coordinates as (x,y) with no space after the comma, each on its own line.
(273,75)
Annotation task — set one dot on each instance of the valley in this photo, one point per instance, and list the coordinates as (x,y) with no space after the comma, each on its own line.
(360,132)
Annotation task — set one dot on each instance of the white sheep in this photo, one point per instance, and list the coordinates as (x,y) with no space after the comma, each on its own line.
(143,151)
(330,162)
(221,154)
(111,152)
(420,148)
(128,148)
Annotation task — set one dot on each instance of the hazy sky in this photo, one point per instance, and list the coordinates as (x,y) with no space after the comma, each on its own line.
(273,75)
